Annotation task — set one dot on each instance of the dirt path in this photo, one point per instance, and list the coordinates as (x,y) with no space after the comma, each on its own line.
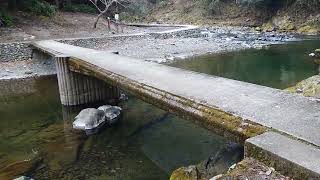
(63,25)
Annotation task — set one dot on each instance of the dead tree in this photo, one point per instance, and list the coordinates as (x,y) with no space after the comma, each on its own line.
(104,7)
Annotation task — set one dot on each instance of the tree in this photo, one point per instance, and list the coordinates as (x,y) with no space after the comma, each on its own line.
(103,7)
(14,4)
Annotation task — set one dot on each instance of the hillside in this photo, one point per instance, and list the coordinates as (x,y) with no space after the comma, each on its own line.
(291,15)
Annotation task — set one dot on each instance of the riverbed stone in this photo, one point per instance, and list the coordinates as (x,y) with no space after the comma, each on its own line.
(89,118)
(317,53)
(112,113)
(309,87)
(19,168)
(217,163)
(23,178)
(60,145)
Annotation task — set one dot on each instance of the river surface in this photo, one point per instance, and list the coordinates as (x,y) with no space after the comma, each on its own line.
(37,139)
(278,66)
(148,143)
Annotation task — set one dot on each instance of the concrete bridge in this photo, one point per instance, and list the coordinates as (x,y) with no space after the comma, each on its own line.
(278,128)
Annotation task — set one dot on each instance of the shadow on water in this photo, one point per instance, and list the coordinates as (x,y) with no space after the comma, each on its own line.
(277,66)
(147,143)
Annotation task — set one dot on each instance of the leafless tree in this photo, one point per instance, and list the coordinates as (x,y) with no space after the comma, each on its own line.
(103,7)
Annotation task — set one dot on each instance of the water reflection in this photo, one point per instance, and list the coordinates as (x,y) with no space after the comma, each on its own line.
(278,66)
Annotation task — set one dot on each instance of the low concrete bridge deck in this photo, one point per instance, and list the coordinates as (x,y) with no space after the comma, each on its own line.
(231,108)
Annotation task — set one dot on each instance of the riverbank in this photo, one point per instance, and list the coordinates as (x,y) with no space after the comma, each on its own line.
(167,44)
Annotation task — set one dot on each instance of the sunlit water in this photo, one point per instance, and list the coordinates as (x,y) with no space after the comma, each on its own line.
(148,143)
(277,66)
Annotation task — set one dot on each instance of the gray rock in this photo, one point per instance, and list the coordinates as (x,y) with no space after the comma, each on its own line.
(28,72)
(23,178)
(112,113)
(89,119)
(123,97)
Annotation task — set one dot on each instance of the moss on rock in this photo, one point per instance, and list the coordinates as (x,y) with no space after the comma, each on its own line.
(185,173)
(309,87)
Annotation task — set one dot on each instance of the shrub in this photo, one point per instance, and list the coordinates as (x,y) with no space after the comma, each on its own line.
(39,7)
(5,19)
(79,8)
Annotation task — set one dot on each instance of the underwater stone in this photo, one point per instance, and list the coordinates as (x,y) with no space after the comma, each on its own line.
(112,113)
(23,178)
(89,119)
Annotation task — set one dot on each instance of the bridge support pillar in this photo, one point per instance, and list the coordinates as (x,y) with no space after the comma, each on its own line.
(78,89)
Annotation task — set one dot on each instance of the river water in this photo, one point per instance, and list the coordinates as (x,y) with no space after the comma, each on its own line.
(37,139)
(278,66)
(148,143)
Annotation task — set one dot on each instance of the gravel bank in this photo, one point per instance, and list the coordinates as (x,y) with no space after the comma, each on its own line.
(165,49)
(160,48)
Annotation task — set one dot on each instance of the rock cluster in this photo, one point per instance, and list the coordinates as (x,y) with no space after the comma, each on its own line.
(92,119)
(14,51)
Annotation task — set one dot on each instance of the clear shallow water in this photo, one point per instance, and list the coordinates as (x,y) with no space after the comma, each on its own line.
(277,66)
(148,143)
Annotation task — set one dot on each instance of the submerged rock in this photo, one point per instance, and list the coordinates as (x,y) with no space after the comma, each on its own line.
(316,56)
(218,163)
(112,113)
(20,167)
(89,119)
(23,178)
(317,53)
(92,119)
(309,87)
(123,97)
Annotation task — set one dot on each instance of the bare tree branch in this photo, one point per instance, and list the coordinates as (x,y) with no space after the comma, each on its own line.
(106,4)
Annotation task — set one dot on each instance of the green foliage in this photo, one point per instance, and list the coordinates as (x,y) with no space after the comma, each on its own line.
(79,8)
(39,7)
(6,19)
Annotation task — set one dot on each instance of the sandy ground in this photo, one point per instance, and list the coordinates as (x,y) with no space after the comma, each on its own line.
(63,25)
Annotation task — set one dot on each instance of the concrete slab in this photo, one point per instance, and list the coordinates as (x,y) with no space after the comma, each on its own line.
(290,157)
(288,113)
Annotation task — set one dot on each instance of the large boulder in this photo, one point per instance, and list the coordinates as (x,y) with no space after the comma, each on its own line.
(309,87)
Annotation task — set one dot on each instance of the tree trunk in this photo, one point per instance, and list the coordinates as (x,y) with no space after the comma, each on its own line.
(96,22)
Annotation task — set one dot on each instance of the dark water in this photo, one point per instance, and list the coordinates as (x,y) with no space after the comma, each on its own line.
(278,66)
(148,143)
